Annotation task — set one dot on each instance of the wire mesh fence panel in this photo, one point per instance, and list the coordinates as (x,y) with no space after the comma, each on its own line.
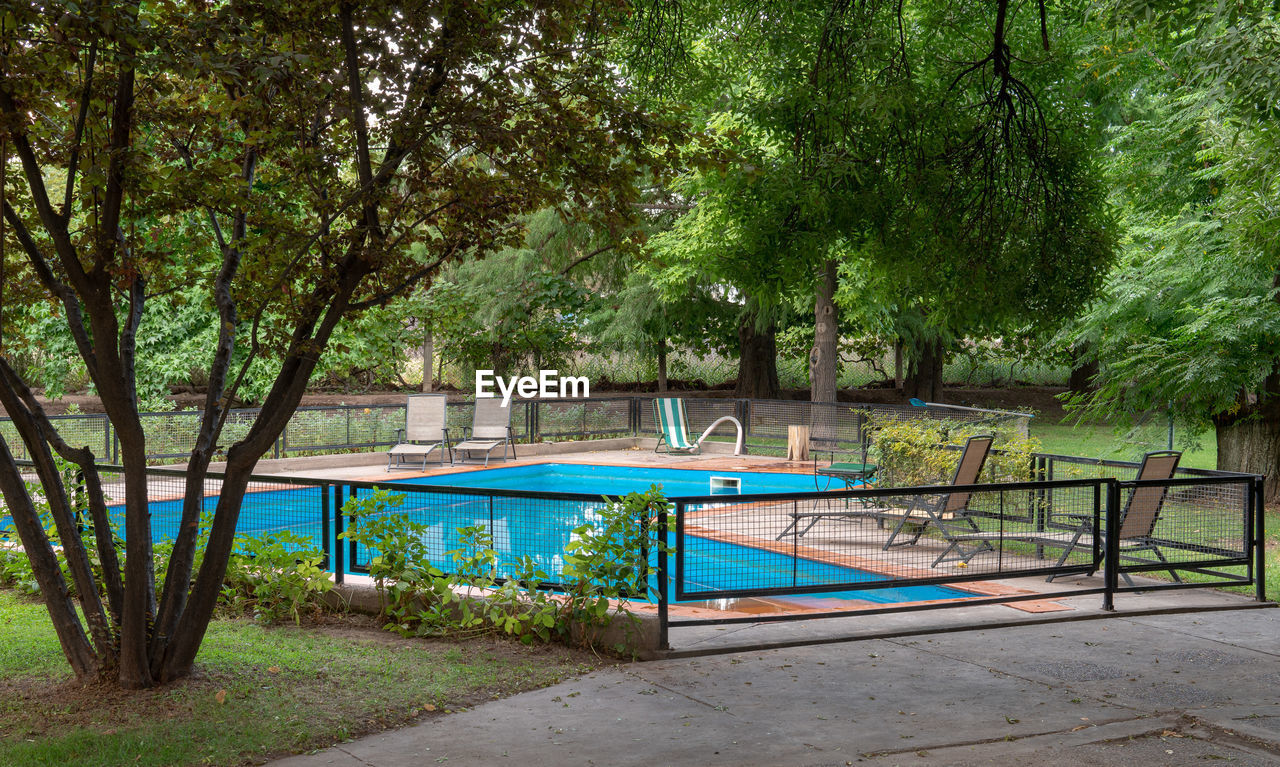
(170,435)
(836,542)
(461,416)
(700,412)
(581,418)
(1185,522)
(538,528)
(831,424)
(344,427)
(91,430)
(1076,467)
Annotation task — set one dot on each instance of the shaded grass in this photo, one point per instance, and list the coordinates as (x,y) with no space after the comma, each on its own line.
(1099,441)
(259,691)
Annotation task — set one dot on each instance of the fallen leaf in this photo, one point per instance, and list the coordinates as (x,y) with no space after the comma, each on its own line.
(273,669)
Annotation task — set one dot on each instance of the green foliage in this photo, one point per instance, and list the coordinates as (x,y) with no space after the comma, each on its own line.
(607,562)
(401,569)
(276,576)
(884,138)
(1188,320)
(605,565)
(920,451)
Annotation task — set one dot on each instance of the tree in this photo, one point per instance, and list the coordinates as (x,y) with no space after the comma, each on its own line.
(1189,319)
(333,156)
(923,140)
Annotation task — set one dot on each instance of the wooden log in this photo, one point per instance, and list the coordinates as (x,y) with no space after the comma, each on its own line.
(797,443)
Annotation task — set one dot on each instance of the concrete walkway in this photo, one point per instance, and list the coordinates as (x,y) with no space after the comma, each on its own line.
(1151,690)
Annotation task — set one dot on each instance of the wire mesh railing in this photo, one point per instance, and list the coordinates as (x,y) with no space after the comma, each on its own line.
(825,553)
(872,539)
(830,554)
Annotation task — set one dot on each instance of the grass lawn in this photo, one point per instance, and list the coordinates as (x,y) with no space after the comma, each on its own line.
(260,691)
(1097,441)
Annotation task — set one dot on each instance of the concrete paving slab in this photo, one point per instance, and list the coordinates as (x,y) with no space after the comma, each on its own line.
(1173,689)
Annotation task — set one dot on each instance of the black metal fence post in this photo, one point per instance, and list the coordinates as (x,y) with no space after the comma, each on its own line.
(1260,538)
(663,643)
(351,552)
(339,527)
(1111,559)
(325,528)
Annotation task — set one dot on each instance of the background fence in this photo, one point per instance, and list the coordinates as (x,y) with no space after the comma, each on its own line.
(170,436)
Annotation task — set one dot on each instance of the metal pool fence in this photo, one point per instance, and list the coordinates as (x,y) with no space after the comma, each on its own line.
(170,436)
(1199,529)
(1195,531)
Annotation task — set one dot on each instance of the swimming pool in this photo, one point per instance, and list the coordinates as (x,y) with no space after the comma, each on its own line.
(594,479)
(540,528)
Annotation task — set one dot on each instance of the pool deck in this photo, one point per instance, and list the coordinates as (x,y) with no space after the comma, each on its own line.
(1174,689)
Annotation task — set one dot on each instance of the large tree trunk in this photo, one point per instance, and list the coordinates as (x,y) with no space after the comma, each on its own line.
(925,378)
(898,380)
(824,359)
(1084,371)
(758,360)
(1249,442)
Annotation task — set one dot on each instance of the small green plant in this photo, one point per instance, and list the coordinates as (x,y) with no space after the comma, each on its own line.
(511,603)
(276,576)
(415,596)
(607,563)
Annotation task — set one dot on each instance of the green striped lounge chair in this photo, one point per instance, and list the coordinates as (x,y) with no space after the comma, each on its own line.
(673,427)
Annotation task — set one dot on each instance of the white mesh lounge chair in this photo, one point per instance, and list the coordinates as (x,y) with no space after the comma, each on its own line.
(425,429)
(673,427)
(490,428)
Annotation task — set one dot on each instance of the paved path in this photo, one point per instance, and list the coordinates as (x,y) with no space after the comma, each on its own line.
(1154,690)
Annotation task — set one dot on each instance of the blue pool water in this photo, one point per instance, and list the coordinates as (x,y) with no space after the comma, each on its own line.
(619,480)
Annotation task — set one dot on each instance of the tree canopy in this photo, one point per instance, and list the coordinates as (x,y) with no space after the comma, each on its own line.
(300,162)
(939,145)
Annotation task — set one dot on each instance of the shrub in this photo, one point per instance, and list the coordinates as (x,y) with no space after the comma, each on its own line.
(915,452)
(605,564)
(276,576)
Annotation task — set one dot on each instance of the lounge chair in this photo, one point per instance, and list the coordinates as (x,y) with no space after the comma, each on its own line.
(946,511)
(673,427)
(490,428)
(1137,519)
(424,430)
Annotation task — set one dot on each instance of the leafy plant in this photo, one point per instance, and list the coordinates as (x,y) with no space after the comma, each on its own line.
(412,592)
(276,576)
(607,563)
